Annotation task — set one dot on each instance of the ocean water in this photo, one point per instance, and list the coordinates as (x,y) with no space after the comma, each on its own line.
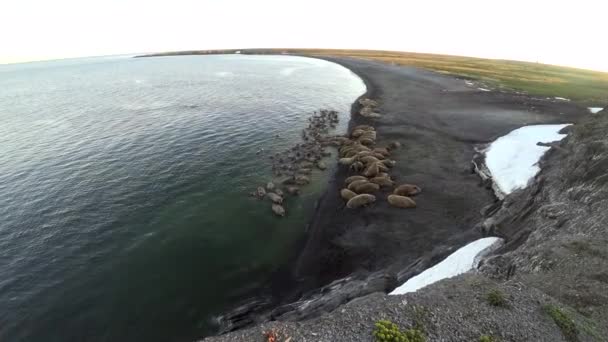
(123,189)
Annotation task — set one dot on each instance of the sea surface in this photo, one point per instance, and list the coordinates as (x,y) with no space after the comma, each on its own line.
(124,207)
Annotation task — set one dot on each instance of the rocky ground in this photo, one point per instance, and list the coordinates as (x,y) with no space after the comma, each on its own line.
(551,276)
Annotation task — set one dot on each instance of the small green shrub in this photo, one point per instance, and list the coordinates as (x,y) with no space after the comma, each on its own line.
(563,321)
(496,298)
(486,338)
(387,331)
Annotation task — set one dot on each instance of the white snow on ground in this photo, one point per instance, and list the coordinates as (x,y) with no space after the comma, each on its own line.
(512,159)
(484,89)
(561,98)
(461,261)
(594,110)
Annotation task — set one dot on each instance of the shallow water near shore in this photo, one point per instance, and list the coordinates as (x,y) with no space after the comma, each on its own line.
(124,182)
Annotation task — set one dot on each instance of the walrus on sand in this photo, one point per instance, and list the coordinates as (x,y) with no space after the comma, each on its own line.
(278,210)
(407,190)
(347,194)
(360,200)
(353,185)
(367,188)
(401,201)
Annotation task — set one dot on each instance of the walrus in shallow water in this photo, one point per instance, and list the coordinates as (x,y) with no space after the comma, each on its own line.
(279,192)
(401,201)
(347,194)
(407,190)
(360,200)
(367,188)
(353,178)
(261,192)
(321,165)
(270,186)
(394,145)
(293,190)
(274,197)
(354,184)
(278,210)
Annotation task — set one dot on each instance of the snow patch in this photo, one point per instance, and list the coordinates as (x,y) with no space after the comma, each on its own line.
(561,98)
(595,110)
(483,89)
(512,159)
(463,260)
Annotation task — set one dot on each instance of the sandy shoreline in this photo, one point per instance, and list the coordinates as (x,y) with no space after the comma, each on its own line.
(439,119)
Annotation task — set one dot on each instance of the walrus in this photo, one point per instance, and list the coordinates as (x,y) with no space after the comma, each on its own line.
(378,155)
(401,201)
(274,197)
(321,165)
(382,167)
(388,162)
(346,161)
(302,180)
(369,159)
(382,150)
(364,127)
(293,190)
(279,192)
(353,178)
(270,186)
(362,154)
(353,185)
(368,102)
(366,141)
(261,192)
(372,170)
(278,210)
(305,171)
(394,145)
(347,194)
(357,133)
(367,188)
(382,181)
(356,166)
(360,200)
(407,190)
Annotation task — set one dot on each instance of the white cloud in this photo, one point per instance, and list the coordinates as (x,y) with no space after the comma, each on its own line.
(559,32)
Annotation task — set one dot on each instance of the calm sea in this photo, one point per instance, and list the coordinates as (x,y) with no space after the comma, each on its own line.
(124,213)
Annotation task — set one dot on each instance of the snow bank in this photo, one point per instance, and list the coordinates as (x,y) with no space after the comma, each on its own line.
(561,98)
(595,110)
(512,159)
(461,261)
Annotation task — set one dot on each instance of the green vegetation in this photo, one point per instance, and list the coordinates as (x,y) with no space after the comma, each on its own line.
(487,338)
(497,298)
(563,321)
(585,86)
(387,331)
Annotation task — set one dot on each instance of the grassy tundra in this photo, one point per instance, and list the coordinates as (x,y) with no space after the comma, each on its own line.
(586,87)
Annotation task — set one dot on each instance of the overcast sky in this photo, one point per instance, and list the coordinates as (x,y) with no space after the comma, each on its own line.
(570,33)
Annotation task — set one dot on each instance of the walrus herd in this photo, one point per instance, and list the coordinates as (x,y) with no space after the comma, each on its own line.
(293,167)
(357,151)
(371,164)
